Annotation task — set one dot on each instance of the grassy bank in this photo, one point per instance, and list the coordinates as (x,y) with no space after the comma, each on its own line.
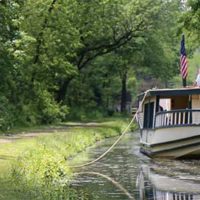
(39,168)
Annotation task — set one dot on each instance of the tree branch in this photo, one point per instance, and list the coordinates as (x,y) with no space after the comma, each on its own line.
(89,53)
(40,35)
(104,49)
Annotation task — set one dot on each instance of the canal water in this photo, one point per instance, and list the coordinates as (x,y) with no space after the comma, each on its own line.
(125,174)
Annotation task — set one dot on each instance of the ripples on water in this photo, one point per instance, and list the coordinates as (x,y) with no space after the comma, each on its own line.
(125,173)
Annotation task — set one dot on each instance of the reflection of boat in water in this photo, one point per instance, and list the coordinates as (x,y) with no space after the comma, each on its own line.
(153,186)
(169,120)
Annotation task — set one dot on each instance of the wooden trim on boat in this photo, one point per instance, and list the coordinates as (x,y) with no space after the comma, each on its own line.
(153,154)
(175,141)
(171,126)
(177,148)
(178,125)
(171,92)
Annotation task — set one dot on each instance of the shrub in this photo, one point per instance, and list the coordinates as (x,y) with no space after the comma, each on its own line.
(42,174)
(49,110)
(7,117)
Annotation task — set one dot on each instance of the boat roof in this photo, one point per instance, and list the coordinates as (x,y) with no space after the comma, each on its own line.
(170,92)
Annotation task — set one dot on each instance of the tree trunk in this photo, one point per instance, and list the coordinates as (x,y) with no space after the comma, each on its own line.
(123,93)
(61,93)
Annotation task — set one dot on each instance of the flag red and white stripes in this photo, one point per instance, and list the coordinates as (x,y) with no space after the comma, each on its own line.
(183,60)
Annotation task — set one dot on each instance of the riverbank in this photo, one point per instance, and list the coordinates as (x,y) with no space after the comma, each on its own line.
(39,167)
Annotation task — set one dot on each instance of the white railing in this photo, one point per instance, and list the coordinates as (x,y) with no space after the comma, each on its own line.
(177,118)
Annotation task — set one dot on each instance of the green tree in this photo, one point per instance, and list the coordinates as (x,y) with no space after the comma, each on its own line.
(80,53)
(68,42)
(191,21)
(149,53)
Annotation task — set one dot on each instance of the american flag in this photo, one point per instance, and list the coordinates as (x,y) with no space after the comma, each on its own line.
(183,59)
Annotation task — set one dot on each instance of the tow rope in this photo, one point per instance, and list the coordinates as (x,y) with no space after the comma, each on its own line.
(119,138)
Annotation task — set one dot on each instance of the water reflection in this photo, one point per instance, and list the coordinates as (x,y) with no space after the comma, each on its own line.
(156,179)
(121,165)
(154,186)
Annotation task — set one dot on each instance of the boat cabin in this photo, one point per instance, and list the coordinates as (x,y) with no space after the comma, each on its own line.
(163,108)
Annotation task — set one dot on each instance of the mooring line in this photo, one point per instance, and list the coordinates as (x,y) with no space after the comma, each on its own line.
(119,138)
(118,185)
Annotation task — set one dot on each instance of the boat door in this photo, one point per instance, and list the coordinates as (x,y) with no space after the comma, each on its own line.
(148,115)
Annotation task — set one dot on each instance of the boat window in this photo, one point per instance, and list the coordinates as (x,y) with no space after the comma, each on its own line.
(165,104)
(180,102)
(195,101)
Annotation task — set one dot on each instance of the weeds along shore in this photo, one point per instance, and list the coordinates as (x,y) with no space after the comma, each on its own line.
(39,167)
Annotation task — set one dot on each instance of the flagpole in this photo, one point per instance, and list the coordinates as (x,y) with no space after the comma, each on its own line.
(184,81)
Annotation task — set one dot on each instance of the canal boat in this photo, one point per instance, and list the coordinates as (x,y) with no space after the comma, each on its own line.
(169,121)
(153,186)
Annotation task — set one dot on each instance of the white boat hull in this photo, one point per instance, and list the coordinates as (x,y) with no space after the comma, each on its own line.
(173,142)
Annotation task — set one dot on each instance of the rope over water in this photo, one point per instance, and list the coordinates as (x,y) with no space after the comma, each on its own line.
(119,138)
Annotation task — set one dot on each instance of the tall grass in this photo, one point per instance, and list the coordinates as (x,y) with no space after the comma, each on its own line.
(42,170)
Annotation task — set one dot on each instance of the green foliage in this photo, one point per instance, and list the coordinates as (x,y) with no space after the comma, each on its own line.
(161,46)
(7,118)
(85,114)
(42,169)
(58,57)
(191,21)
(50,110)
